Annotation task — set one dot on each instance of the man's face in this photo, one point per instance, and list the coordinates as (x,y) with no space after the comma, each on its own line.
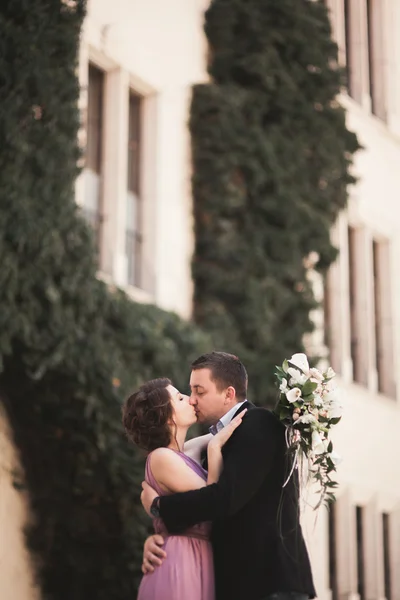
(209,403)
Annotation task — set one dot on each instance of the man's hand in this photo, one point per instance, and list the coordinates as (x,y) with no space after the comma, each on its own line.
(147,496)
(153,554)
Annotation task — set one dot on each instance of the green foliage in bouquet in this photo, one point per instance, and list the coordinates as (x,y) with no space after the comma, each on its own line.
(271,156)
(70,350)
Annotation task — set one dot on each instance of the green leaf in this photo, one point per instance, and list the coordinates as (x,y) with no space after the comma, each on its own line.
(284,412)
(309,387)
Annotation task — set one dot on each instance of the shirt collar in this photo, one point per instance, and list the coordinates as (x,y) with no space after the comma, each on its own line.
(227,418)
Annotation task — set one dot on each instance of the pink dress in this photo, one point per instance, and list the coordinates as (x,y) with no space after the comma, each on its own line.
(188,571)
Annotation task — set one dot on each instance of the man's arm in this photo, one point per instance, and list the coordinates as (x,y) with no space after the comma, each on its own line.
(249,459)
(153,553)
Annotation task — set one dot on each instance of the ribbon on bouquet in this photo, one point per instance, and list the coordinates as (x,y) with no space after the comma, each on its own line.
(296,454)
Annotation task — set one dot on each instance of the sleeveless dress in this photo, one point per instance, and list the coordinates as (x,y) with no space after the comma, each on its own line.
(188,571)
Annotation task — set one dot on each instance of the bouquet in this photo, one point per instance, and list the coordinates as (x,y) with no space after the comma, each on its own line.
(309,407)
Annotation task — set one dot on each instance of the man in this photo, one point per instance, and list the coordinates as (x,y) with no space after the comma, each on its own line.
(259,550)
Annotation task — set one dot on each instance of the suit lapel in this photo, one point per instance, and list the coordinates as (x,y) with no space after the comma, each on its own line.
(247,405)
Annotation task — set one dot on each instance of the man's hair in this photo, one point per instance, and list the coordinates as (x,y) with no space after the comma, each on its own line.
(226,370)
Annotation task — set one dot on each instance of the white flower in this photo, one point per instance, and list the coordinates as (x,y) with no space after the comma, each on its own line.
(335,457)
(296,377)
(318,400)
(330,396)
(283,386)
(307,419)
(317,443)
(293,395)
(330,373)
(316,376)
(335,409)
(332,404)
(300,361)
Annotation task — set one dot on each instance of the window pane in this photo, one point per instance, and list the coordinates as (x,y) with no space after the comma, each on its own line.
(386,556)
(333,580)
(360,552)
(94,119)
(134,215)
(134,143)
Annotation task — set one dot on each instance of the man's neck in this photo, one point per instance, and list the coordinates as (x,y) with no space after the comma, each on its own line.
(228,415)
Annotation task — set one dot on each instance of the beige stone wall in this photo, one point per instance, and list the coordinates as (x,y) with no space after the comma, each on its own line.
(16,581)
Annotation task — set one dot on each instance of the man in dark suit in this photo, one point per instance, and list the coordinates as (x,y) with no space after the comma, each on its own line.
(259,550)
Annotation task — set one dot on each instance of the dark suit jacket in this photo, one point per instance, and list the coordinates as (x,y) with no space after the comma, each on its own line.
(257,539)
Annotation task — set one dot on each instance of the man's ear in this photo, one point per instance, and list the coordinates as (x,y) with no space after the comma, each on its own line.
(230,394)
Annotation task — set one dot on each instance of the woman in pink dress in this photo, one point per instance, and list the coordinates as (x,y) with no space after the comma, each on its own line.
(157,418)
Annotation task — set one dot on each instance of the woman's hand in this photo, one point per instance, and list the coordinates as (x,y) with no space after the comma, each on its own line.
(223,436)
(214,454)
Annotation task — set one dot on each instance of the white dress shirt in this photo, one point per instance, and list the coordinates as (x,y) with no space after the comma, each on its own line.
(227,418)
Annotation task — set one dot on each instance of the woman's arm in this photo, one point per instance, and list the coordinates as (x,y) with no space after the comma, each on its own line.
(196,446)
(250,460)
(214,449)
(172,473)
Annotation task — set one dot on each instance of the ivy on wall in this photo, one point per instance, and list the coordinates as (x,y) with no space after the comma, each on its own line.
(272,155)
(69,348)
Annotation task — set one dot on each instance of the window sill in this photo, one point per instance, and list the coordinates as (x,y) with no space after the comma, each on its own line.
(134,293)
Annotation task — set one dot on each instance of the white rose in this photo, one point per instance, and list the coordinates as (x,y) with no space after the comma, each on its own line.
(330,373)
(307,419)
(335,409)
(283,386)
(293,395)
(316,375)
(331,396)
(300,361)
(297,377)
(317,443)
(318,400)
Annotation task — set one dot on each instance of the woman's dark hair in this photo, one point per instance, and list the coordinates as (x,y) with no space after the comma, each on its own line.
(147,413)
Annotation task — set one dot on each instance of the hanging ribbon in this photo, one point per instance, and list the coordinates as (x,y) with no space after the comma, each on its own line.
(296,455)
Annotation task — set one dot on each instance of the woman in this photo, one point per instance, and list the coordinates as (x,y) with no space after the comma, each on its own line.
(157,418)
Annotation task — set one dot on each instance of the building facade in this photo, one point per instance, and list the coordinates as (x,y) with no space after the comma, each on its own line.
(138,62)
(356,550)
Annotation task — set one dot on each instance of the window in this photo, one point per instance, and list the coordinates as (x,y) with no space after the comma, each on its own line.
(383,318)
(332,319)
(358,348)
(375,57)
(348,46)
(332,550)
(360,552)
(327,313)
(134,238)
(94,150)
(371,66)
(386,556)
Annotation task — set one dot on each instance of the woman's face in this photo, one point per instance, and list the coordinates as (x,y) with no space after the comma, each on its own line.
(184,413)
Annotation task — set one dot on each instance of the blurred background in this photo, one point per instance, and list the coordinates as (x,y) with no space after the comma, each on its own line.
(176,177)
